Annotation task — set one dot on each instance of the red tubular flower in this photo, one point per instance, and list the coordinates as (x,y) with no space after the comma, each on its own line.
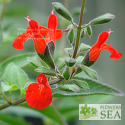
(38,95)
(96,49)
(37,33)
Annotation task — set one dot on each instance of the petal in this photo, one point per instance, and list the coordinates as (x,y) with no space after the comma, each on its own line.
(114,53)
(43,30)
(34,26)
(51,36)
(52,21)
(37,97)
(94,53)
(41,79)
(29,31)
(39,43)
(18,42)
(44,100)
(102,38)
(58,33)
(52,24)
(31,94)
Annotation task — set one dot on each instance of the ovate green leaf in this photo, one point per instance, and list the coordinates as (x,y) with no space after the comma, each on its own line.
(20,61)
(15,76)
(81,84)
(6,87)
(66,73)
(102,19)
(36,62)
(90,72)
(70,35)
(70,61)
(83,47)
(60,9)
(95,87)
(70,88)
(45,71)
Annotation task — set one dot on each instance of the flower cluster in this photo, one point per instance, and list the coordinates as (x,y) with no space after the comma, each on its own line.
(37,33)
(38,95)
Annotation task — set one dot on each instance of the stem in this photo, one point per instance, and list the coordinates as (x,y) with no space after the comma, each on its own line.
(55,81)
(9,102)
(79,29)
(10,93)
(17,102)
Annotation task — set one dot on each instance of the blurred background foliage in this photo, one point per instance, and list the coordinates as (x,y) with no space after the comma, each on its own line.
(109,71)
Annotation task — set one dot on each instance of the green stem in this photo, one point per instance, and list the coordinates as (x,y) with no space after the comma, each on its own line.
(79,29)
(9,102)
(10,93)
(17,102)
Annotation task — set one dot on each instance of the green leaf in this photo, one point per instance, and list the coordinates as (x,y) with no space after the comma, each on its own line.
(79,59)
(60,9)
(6,87)
(69,51)
(95,87)
(90,72)
(66,73)
(89,31)
(81,84)
(60,64)
(3,123)
(15,76)
(70,88)
(47,57)
(12,120)
(49,111)
(20,61)
(82,34)
(45,71)
(102,19)
(1,34)
(70,36)
(36,62)
(70,61)
(83,47)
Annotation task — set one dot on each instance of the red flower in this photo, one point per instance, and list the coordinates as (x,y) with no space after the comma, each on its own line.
(96,49)
(38,95)
(37,33)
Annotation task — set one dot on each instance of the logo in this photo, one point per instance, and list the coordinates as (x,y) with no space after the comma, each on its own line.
(99,111)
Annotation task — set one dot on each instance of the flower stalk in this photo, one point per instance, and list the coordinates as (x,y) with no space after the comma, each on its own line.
(9,102)
(79,29)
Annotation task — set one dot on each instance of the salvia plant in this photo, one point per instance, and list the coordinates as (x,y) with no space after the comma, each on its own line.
(58,78)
